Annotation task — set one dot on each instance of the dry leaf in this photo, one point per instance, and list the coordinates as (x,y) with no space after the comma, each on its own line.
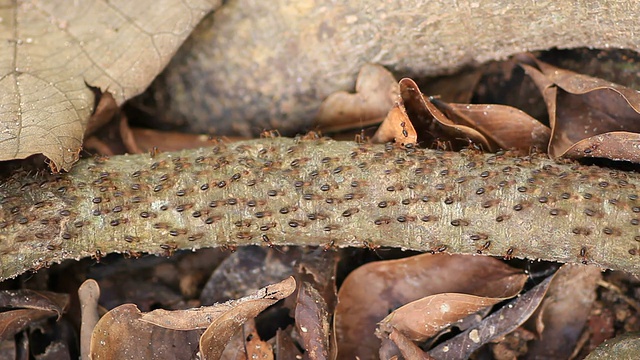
(396,127)
(53,49)
(564,312)
(387,285)
(26,307)
(14,321)
(433,127)
(422,319)
(53,302)
(312,322)
(215,338)
(121,335)
(505,126)
(376,92)
(582,107)
(501,322)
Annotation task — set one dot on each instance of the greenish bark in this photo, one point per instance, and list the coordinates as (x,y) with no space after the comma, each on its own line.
(325,193)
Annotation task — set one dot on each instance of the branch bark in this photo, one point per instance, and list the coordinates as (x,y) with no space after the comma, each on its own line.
(325,193)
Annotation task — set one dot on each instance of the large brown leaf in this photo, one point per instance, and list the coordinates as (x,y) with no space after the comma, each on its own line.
(500,323)
(51,51)
(386,285)
(585,111)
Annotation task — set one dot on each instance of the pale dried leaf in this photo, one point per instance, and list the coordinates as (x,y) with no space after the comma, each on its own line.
(51,51)
(376,92)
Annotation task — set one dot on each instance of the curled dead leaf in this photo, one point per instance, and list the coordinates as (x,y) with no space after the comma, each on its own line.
(121,335)
(433,127)
(581,107)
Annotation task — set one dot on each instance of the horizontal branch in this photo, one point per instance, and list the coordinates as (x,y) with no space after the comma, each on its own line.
(323,193)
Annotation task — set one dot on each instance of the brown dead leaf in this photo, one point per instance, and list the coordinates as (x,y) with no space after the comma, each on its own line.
(387,285)
(396,127)
(215,338)
(190,319)
(312,322)
(501,322)
(148,139)
(105,111)
(55,303)
(201,318)
(376,92)
(433,127)
(582,107)
(507,127)
(121,335)
(117,137)
(318,268)
(614,145)
(125,332)
(256,348)
(424,318)
(27,307)
(14,321)
(564,312)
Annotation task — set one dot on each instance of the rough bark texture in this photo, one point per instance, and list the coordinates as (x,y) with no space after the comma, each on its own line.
(273,62)
(326,193)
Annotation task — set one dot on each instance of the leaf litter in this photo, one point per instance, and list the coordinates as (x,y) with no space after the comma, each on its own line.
(427,120)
